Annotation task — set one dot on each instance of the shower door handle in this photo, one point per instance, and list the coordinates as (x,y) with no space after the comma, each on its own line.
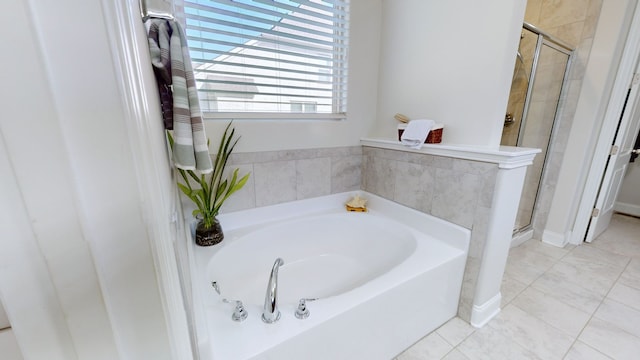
(634,154)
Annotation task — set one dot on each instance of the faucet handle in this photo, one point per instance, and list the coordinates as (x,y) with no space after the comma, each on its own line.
(216,287)
(240,312)
(302,312)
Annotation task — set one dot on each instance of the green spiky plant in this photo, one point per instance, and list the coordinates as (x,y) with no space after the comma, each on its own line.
(212,192)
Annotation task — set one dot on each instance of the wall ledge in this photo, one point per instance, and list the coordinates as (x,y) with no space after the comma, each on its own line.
(506,157)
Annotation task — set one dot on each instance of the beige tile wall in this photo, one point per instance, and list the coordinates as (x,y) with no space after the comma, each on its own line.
(519,86)
(282,176)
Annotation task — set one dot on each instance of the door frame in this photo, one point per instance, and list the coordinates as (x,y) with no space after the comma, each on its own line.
(617,163)
(624,76)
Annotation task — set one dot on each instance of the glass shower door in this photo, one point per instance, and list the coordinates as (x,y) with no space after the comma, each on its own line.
(534,111)
(537,128)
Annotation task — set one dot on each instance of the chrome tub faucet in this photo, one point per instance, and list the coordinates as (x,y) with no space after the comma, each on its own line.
(271,314)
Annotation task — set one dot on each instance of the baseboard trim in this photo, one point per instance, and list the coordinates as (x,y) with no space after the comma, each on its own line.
(482,314)
(629,209)
(555,239)
(521,237)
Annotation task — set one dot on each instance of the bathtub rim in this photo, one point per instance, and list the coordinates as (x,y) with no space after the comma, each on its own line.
(455,235)
(449,233)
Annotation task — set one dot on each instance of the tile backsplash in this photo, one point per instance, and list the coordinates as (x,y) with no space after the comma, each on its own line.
(281,176)
(451,189)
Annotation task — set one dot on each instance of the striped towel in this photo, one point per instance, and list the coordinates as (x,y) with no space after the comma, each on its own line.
(172,66)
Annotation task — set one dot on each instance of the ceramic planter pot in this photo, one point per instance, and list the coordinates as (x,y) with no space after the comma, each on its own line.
(207,236)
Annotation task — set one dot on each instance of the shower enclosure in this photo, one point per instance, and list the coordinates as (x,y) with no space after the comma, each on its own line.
(541,68)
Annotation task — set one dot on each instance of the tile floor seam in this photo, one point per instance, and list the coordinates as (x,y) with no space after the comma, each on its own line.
(555,297)
(604,263)
(529,285)
(606,297)
(513,298)
(630,285)
(587,288)
(587,324)
(539,276)
(609,322)
(461,341)
(556,260)
(456,346)
(450,351)
(591,347)
(550,324)
(577,338)
(581,286)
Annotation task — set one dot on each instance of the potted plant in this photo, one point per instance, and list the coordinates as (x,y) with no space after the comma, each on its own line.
(212,191)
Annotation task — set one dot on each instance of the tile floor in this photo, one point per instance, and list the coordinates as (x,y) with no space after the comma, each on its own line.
(575,303)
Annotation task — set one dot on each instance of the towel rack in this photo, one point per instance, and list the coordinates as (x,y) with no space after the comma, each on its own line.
(159,9)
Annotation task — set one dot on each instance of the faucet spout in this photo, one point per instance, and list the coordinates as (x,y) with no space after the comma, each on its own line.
(271,314)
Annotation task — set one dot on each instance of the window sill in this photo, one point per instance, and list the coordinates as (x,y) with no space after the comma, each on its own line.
(271,116)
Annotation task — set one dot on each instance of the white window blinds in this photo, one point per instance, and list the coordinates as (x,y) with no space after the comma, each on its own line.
(264,58)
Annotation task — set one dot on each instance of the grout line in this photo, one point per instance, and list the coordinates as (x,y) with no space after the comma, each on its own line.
(592,315)
(596,310)
(460,343)
(556,261)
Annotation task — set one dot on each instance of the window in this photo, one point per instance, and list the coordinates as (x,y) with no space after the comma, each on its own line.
(303,107)
(269,58)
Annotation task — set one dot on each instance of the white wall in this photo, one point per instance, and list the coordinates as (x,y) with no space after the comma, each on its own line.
(4,319)
(267,135)
(45,211)
(29,295)
(78,278)
(628,200)
(596,88)
(450,61)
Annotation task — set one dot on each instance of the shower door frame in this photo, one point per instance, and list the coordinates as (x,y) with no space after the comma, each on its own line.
(543,38)
(548,40)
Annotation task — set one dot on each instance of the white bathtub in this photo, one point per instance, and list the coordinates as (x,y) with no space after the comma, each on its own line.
(383,280)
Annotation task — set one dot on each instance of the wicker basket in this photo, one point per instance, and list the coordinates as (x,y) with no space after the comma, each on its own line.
(434,137)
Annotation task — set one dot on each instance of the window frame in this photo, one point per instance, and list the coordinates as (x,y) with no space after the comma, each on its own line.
(339,84)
